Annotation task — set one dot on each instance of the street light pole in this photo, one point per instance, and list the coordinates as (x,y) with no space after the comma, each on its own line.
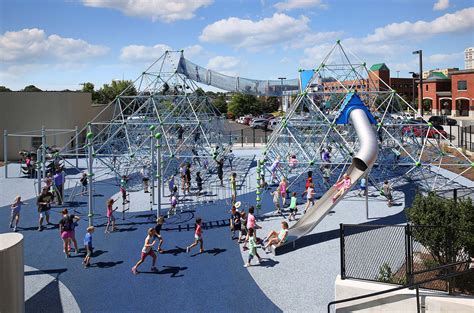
(281,90)
(413,76)
(420,96)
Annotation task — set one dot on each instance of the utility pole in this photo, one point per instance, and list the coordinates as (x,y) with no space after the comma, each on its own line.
(414,76)
(420,96)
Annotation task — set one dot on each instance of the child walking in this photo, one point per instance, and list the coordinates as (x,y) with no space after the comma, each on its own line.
(84,183)
(283,187)
(197,237)
(233,186)
(16,209)
(159,224)
(293,208)
(88,246)
(276,199)
(252,247)
(309,197)
(147,250)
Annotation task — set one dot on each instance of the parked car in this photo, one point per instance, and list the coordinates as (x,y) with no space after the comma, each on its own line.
(259,123)
(247,120)
(421,129)
(267,116)
(442,120)
(272,124)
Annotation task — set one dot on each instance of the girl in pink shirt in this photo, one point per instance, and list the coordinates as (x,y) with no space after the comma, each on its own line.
(251,223)
(197,237)
(283,186)
(110,215)
(342,186)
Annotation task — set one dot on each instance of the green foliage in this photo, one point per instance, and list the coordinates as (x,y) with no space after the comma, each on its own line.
(108,93)
(457,217)
(243,104)
(31,88)
(200,92)
(88,87)
(385,273)
(269,104)
(220,104)
(4,89)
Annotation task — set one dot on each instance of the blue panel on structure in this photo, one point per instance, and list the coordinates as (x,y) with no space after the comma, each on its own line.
(351,102)
(305,77)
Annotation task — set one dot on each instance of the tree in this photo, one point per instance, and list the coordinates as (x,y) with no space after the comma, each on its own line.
(31,88)
(200,92)
(221,104)
(242,104)
(4,89)
(454,221)
(269,104)
(108,93)
(88,87)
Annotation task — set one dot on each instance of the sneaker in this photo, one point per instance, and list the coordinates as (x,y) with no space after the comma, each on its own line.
(14,229)
(11,226)
(201,251)
(87,265)
(40,228)
(258,262)
(246,265)
(187,249)
(134,270)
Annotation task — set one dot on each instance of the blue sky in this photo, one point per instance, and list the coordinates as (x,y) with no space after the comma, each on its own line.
(57,44)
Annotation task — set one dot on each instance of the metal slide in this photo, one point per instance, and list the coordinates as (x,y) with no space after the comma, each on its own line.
(361,162)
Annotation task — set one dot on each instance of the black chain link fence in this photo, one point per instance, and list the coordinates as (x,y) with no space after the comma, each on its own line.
(406,254)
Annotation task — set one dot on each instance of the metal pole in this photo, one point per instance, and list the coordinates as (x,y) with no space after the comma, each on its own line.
(418,306)
(5,151)
(43,150)
(253,132)
(38,169)
(242,136)
(342,251)
(90,161)
(76,145)
(421,80)
(152,166)
(158,171)
(367,196)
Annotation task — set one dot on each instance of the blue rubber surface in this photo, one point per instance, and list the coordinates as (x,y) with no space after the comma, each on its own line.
(214,281)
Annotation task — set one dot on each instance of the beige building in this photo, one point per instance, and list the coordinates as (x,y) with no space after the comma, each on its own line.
(469,58)
(23,112)
(445,71)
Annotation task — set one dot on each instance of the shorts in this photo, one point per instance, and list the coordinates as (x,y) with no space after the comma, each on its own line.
(310,201)
(123,191)
(145,179)
(362,187)
(44,213)
(197,238)
(389,197)
(67,234)
(89,251)
(145,254)
(293,210)
(111,218)
(15,212)
(276,203)
(237,227)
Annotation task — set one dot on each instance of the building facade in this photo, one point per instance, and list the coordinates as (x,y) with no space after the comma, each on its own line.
(449,95)
(24,112)
(469,58)
(379,79)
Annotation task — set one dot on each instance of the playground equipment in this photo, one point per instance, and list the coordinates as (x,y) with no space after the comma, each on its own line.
(413,150)
(160,112)
(354,110)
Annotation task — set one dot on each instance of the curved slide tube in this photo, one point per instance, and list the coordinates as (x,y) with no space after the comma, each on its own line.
(361,163)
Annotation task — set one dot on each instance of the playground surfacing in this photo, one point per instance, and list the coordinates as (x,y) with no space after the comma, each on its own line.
(215,280)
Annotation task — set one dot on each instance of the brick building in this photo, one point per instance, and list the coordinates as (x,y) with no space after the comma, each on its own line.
(449,95)
(379,78)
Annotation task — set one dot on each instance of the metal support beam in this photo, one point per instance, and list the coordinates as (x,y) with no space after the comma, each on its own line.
(76,145)
(43,151)
(90,163)
(5,152)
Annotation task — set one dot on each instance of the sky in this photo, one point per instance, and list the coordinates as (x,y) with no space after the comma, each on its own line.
(59,44)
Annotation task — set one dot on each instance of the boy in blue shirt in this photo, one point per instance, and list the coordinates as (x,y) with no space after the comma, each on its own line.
(88,246)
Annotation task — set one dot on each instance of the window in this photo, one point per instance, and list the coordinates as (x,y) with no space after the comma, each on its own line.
(462,85)
(35,142)
(426,87)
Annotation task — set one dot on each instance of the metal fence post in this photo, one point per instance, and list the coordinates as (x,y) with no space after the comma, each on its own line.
(5,152)
(76,145)
(408,255)
(253,133)
(450,133)
(455,195)
(242,136)
(342,251)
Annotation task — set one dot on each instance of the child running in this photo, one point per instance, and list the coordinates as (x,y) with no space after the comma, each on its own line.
(283,186)
(342,186)
(293,208)
(88,246)
(252,238)
(110,215)
(274,167)
(147,250)
(16,209)
(197,237)
(309,197)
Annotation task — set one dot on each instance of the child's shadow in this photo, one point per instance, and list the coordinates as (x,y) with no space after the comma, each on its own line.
(173,270)
(214,252)
(175,251)
(268,263)
(106,264)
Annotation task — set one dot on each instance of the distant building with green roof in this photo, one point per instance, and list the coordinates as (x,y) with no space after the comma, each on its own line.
(379,67)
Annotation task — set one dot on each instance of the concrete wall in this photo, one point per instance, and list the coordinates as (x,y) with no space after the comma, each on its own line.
(26,111)
(399,301)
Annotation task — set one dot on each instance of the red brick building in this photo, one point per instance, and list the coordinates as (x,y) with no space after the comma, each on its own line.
(453,95)
(379,78)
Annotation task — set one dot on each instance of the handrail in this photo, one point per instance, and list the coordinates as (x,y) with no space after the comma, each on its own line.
(416,285)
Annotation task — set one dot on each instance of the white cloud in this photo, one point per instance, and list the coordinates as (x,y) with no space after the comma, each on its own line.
(299,4)
(224,64)
(310,39)
(34,46)
(445,58)
(140,53)
(165,10)
(462,20)
(441,5)
(244,33)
